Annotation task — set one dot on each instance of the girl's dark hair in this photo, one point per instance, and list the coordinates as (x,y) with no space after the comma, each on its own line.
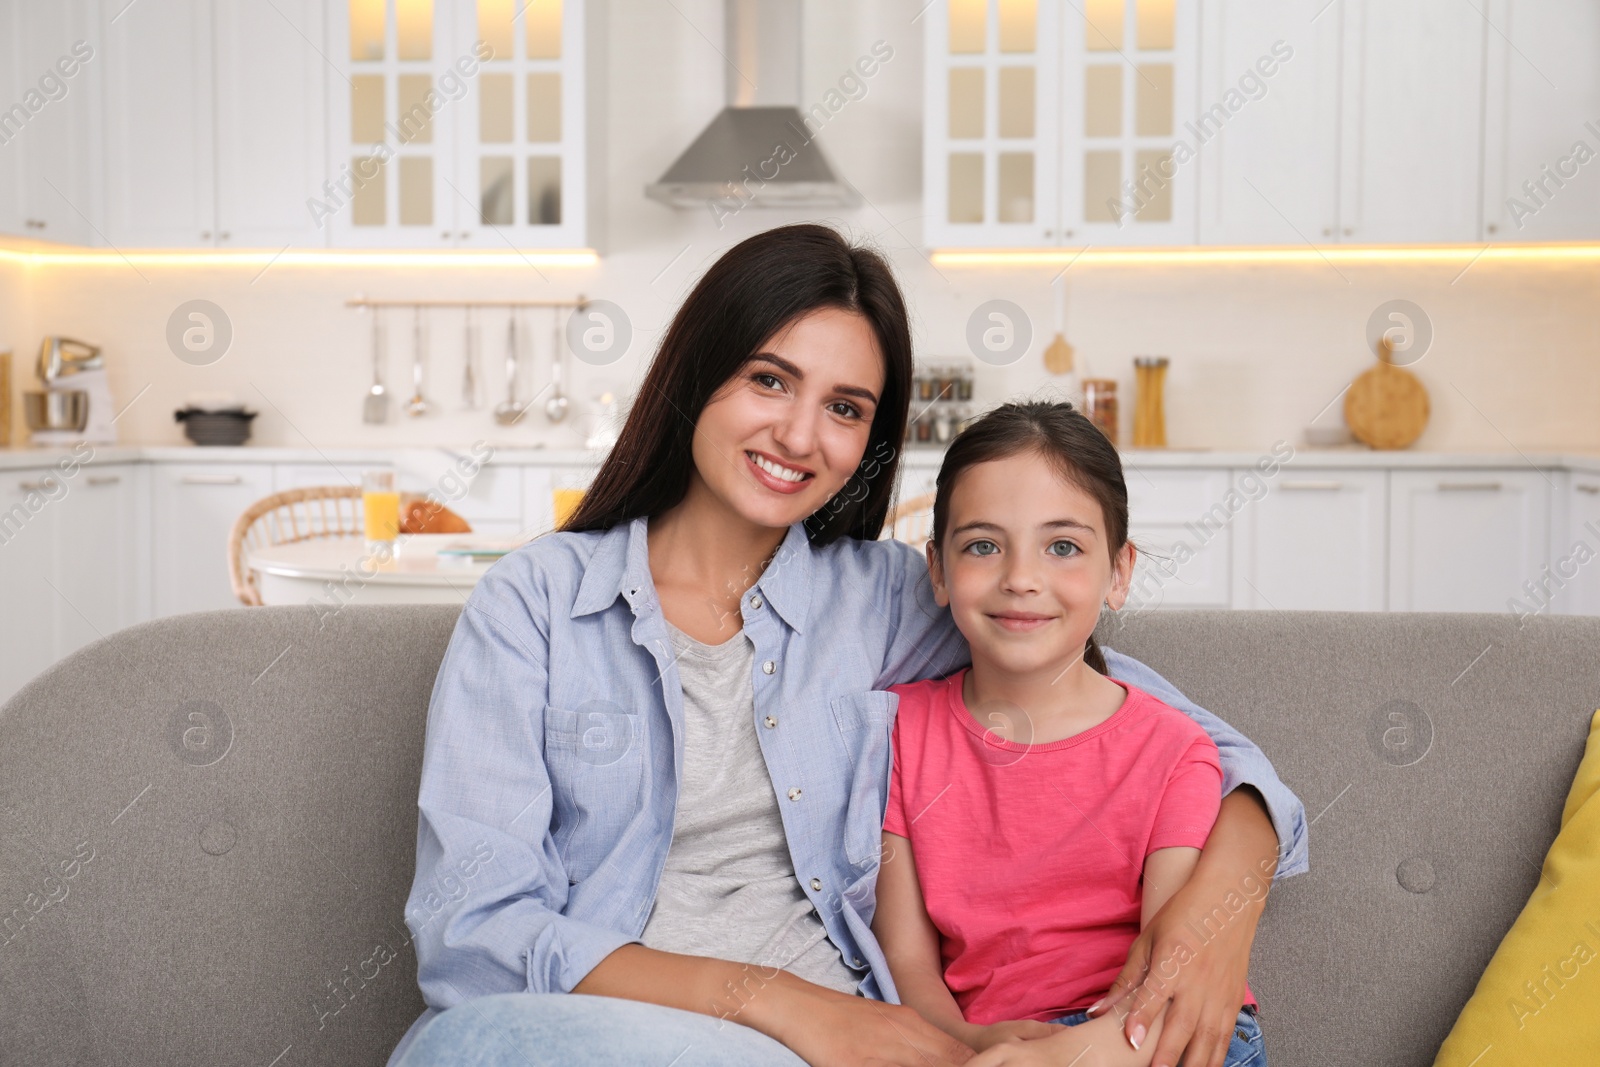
(1065,437)
(751,292)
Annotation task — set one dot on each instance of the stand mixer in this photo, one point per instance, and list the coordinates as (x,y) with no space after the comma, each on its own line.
(76,403)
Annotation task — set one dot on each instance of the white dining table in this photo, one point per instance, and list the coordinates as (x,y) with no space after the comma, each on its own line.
(301,571)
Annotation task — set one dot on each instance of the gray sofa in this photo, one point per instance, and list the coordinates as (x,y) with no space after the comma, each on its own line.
(207,825)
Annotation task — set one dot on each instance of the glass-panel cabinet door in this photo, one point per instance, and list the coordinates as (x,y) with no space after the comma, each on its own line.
(390,120)
(1128,137)
(520,141)
(989,150)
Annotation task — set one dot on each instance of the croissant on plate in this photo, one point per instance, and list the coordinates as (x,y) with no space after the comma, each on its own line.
(420,515)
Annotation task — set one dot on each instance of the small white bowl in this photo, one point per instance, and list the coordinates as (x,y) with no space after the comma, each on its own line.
(1327,436)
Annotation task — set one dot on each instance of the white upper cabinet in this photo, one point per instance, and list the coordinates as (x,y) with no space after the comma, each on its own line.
(1261,122)
(161,173)
(49,128)
(214,124)
(1048,124)
(1269,116)
(460,123)
(1542,123)
(1412,121)
(271,122)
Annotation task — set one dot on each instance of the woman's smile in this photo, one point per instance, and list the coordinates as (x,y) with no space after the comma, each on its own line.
(777,476)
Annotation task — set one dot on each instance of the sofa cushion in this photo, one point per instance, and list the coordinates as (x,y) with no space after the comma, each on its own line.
(1536,1001)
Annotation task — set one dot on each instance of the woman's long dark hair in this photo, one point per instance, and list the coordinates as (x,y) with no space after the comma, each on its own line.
(1066,438)
(751,292)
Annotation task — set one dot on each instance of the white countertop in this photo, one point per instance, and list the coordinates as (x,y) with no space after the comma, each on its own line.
(25,457)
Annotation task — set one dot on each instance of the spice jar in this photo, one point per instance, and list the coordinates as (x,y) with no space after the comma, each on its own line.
(1149,413)
(1100,404)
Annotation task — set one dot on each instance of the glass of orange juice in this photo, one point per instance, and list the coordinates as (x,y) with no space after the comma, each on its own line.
(380,506)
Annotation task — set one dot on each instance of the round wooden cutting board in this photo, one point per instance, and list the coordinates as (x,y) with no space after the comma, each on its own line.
(1386,407)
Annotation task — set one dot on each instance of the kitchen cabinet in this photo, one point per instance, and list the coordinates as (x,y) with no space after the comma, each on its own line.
(1268,160)
(194,506)
(1542,124)
(99,542)
(1412,121)
(1466,540)
(1312,541)
(1575,550)
(1053,124)
(50,123)
(28,521)
(69,574)
(214,124)
(1181,522)
(465,124)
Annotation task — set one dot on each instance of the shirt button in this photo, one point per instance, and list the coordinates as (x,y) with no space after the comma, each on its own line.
(816,883)
(794,794)
(770,722)
(859,962)
(768,667)
(756,601)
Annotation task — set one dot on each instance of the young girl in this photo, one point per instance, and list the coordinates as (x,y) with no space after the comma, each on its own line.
(1039,812)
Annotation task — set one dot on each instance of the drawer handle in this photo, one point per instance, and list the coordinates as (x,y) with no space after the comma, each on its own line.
(108,479)
(1593,489)
(37,487)
(1469,487)
(1313,485)
(212,479)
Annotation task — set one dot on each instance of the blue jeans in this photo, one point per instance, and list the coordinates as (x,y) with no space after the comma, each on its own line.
(577,1030)
(1245,1050)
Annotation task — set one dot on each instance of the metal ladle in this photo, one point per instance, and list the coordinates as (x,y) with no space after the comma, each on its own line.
(418,404)
(508,410)
(555,409)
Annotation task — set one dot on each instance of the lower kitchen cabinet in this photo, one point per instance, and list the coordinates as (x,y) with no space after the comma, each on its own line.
(193,507)
(1575,550)
(1466,540)
(1313,541)
(1181,522)
(69,548)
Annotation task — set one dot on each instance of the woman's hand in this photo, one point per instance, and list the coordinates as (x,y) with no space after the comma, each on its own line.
(831,1029)
(984,1037)
(1195,951)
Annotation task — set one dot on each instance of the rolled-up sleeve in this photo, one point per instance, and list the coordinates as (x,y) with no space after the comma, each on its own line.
(485,908)
(1242,762)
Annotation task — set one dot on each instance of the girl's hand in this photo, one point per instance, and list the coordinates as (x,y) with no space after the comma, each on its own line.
(1096,1043)
(984,1037)
(831,1029)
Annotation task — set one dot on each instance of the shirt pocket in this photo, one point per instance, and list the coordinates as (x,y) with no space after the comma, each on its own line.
(595,757)
(865,722)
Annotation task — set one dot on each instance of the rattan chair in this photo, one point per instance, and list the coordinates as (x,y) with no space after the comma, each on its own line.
(911,521)
(292,515)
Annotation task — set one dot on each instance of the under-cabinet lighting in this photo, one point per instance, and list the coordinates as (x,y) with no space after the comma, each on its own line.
(1376,254)
(574,257)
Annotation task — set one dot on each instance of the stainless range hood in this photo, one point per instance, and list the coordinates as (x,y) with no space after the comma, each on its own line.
(759,151)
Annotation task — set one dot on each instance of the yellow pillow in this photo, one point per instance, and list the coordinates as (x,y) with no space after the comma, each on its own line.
(1536,1000)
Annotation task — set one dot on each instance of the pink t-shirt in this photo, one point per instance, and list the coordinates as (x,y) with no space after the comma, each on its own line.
(1031,857)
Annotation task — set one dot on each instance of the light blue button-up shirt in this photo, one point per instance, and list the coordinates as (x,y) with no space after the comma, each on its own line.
(554,751)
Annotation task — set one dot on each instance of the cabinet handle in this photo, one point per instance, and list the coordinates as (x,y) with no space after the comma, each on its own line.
(1594,489)
(1313,485)
(205,235)
(34,224)
(224,235)
(39,487)
(212,479)
(1469,487)
(107,479)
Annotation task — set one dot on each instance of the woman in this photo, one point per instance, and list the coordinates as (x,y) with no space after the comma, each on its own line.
(658,744)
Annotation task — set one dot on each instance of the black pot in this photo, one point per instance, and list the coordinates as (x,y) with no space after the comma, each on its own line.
(224,426)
